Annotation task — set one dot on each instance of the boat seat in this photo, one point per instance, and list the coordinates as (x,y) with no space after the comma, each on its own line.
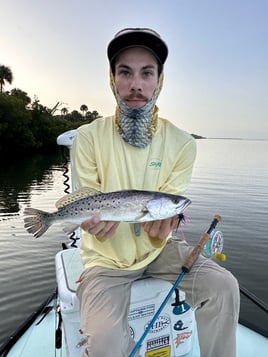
(146,297)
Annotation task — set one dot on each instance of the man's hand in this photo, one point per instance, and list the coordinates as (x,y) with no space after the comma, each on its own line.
(99,228)
(161,229)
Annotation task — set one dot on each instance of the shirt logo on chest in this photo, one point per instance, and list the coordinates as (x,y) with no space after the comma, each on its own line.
(155,164)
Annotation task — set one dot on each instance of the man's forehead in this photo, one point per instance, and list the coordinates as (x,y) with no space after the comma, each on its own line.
(137,54)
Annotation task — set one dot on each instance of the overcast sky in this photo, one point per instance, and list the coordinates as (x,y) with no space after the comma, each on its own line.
(216,75)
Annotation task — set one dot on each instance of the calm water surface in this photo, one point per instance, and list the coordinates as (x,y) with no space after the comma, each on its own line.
(230,178)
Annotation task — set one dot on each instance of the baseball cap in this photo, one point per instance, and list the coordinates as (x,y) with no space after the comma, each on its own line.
(137,37)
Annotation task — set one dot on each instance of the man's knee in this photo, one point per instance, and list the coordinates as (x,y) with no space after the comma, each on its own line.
(224,290)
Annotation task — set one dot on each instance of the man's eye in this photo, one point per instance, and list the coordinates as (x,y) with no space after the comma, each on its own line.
(124,73)
(147,73)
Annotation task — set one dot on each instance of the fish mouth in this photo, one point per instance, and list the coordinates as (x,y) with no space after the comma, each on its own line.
(183,205)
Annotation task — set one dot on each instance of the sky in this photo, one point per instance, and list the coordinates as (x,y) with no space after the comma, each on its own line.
(216,75)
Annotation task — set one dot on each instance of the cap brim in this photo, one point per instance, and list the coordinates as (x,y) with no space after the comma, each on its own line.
(138,39)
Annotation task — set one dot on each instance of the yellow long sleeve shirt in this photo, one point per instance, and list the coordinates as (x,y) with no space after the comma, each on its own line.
(104,161)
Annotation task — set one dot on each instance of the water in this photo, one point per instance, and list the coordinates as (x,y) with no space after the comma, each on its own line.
(230,178)
(27,274)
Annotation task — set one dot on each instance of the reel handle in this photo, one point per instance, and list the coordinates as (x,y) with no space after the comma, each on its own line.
(199,246)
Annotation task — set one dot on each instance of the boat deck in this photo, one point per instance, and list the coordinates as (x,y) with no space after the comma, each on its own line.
(39,339)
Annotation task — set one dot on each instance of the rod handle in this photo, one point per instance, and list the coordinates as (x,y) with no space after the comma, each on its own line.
(199,246)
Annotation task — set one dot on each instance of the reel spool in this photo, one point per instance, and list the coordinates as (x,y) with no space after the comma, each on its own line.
(214,246)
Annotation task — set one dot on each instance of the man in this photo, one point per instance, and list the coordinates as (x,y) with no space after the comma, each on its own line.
(135,149)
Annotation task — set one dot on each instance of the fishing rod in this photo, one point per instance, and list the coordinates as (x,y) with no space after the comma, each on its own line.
(11,341)
(186,267)
(257,301)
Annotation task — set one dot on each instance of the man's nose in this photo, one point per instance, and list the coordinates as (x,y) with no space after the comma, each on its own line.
(136,84)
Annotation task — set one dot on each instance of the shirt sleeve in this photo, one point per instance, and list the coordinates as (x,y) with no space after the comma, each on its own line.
(83,160)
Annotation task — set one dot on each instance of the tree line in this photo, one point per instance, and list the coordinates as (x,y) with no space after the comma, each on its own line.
(28,126)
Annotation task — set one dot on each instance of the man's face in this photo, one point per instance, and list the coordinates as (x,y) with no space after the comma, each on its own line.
(136,76)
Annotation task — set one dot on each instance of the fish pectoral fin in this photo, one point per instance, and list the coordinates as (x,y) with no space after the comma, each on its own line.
(145,210)
(70,228)
(82,192)
(143,217)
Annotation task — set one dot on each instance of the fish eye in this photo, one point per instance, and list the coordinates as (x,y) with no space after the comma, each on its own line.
(175,200)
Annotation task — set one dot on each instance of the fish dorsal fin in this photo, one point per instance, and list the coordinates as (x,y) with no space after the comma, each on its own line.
(82,192)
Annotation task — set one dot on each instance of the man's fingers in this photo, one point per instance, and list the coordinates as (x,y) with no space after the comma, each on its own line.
(107,229)
(161,228)
(90,223)
(99,228)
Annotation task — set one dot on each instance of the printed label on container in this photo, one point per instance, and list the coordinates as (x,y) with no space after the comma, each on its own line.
(141,311)
(160,352)
(182,338)
(157,342)
(160,324)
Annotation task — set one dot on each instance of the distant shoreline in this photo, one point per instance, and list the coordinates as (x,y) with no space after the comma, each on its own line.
(245,139)
(221,138)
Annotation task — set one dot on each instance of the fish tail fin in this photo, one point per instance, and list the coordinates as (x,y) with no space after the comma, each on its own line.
(36,221)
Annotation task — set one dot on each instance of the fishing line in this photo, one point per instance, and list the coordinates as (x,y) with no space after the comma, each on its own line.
(184,220)
(194,279)
(244,291)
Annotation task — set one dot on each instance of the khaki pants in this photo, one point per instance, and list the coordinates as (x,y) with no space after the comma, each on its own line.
(104,296)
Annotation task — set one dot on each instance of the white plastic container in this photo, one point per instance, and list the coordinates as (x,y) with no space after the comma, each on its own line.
(174,332)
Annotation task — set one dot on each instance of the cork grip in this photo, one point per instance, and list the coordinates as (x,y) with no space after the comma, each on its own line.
(199,246)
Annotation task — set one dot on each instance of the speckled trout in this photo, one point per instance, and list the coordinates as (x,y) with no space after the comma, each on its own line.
(132,206)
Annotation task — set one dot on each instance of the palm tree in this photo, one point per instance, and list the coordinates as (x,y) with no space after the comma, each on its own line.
(5,75)
(64,111)
(84,109)
(18,93)
(95,114)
